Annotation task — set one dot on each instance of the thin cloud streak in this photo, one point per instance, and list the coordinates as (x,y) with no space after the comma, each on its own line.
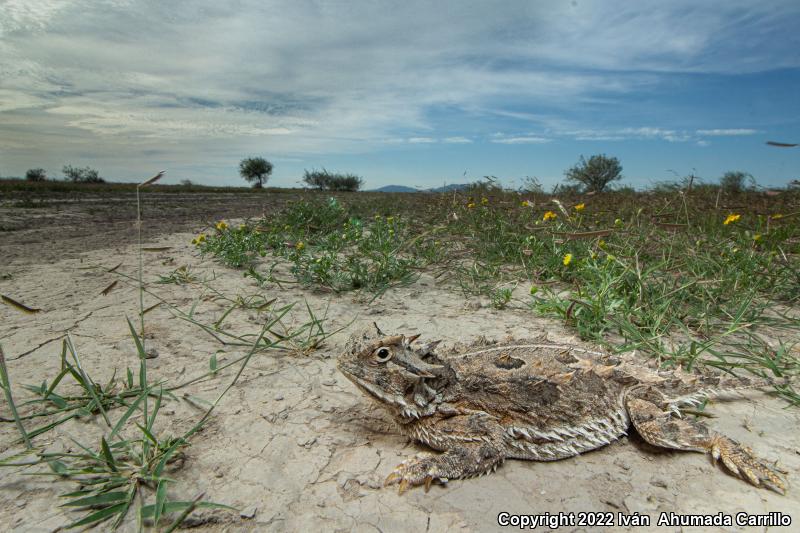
(735,132)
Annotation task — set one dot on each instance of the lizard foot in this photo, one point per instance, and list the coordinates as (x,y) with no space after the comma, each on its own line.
(418,470)
(741,461)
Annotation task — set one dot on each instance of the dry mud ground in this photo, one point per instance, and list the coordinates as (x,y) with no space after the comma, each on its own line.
(294,445)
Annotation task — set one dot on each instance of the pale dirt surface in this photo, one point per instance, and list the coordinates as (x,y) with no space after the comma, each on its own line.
(296,446)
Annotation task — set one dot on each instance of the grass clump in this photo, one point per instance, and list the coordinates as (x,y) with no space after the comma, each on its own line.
(324,246)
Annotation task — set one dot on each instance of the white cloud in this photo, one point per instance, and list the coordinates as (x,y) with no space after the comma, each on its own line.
(521,140)
(457,140)
(726,132)
(421,140)
(647,132)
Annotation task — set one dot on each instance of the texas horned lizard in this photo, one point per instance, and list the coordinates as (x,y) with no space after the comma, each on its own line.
(531,400)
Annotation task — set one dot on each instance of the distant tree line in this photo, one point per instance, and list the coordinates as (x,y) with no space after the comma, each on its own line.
(73,174)
(257,171)
(594,175)
(325,180)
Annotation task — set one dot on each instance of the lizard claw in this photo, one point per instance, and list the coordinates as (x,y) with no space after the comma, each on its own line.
(742,462)
(416,471)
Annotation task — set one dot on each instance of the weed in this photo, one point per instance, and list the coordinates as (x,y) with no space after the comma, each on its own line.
(180,276)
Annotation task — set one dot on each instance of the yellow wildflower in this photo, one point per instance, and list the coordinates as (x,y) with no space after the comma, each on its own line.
(194,241)
(776,216)
(300,245)
(601,243)
(757,237)
(221,225)
(525,203)
(618,222)
(470,205)
(484,201)
(567,259)
(549,216)
(580,207)
(731,218)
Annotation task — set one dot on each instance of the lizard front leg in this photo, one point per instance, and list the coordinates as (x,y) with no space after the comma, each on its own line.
(472,446)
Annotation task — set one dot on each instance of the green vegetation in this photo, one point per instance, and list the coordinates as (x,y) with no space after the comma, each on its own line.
(700,278)
(36,174)
(331,181)
(22,188)
(595,174)
(82,175)
(255,170)
(736,182)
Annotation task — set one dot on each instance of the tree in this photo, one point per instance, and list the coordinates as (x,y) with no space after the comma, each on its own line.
(737,181)
(82,175)
(331,181)
(255,169)
(595,173)
(36,174)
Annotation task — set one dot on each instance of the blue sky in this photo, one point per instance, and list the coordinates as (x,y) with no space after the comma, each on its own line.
(413,92)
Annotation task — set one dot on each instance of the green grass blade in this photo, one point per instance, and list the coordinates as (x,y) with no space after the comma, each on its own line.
(148,511)
(124,418)
(100,499)
(102,514)
(161,499)
(87,382)
(156,407)
(167,454)
(6,383)
(107,455)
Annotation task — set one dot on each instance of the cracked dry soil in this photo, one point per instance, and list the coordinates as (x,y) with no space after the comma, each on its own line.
(294,446)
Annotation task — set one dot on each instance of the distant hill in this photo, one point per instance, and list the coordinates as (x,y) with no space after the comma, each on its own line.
(403,188)
(395,188)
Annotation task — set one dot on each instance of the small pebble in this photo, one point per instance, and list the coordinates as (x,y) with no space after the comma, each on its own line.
(278,397)
(249,512)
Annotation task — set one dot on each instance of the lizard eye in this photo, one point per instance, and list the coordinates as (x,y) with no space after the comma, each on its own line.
(382,354)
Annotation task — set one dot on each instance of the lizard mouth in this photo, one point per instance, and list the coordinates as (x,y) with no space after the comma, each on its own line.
(372,391)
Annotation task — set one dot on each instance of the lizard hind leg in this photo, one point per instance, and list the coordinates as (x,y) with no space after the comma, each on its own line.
(662,428)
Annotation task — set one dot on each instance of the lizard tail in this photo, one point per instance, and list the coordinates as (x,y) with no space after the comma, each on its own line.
(719,385)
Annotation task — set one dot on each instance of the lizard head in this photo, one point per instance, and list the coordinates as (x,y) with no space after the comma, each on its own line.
(390,370)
